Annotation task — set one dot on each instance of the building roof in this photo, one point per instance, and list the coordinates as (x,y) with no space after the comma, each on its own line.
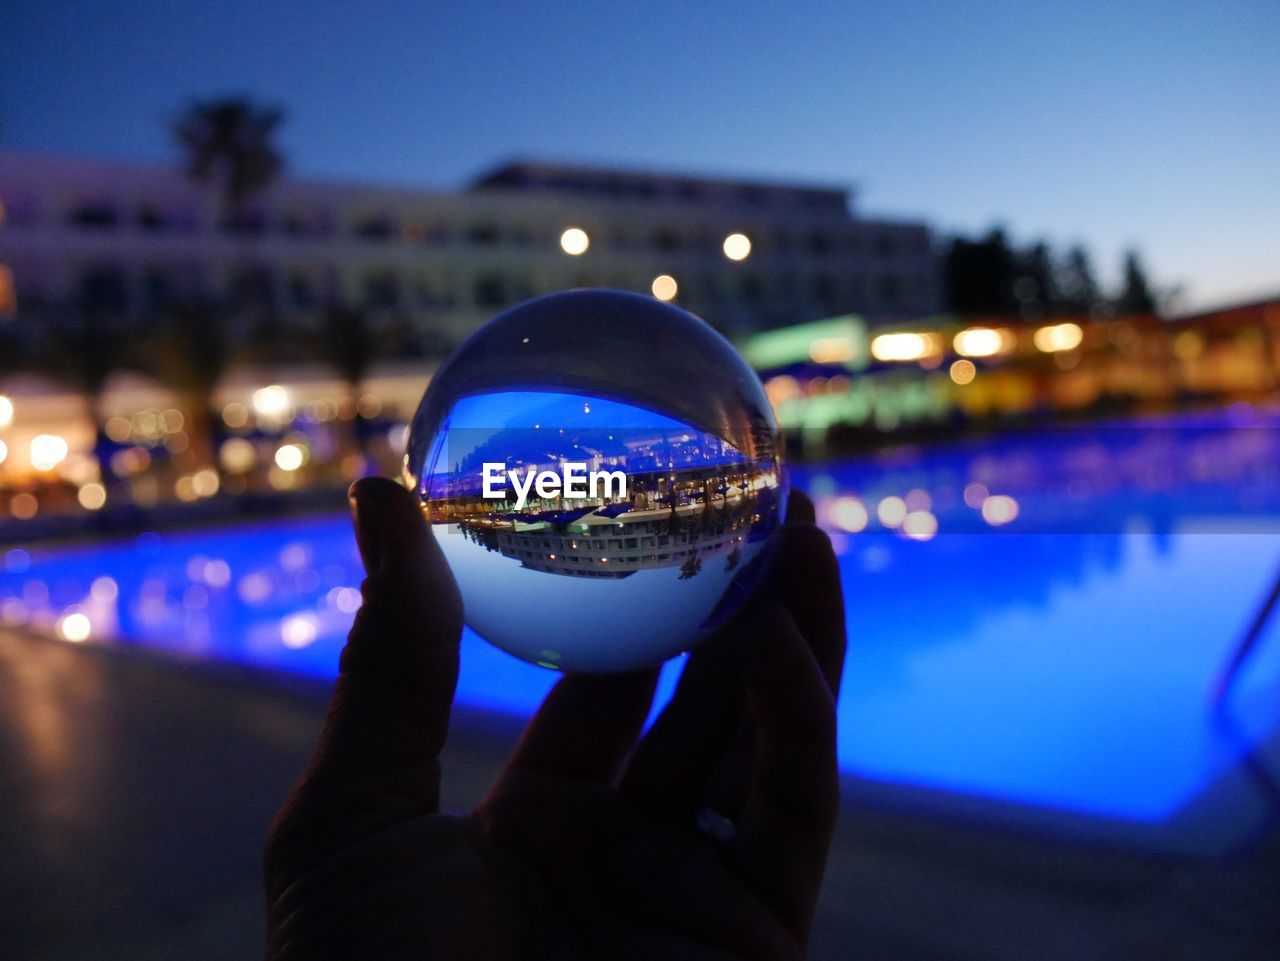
(624,184)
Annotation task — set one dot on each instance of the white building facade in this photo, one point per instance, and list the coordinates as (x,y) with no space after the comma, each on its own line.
(133,240)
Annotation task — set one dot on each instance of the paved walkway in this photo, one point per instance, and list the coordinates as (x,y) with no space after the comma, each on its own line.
(135,791)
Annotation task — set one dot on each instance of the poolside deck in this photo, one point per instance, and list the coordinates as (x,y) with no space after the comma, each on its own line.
(136,789)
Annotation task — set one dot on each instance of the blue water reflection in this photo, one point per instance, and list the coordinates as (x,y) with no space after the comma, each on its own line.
(994,654)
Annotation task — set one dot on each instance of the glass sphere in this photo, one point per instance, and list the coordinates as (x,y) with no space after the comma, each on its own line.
(603,473)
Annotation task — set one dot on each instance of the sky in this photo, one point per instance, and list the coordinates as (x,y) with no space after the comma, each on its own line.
(1143,124)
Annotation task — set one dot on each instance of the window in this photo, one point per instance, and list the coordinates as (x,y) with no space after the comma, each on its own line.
(95,215)
(104,288)
(150,219)
(483,235)
(157,289)
(490,291)
(301,292)
(382,290)
(378,227)
(666,240)
(890,289)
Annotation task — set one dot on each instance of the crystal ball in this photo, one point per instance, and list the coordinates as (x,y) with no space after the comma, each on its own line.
(603,473)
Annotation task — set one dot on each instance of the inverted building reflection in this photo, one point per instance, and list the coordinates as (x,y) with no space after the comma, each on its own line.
(670,521)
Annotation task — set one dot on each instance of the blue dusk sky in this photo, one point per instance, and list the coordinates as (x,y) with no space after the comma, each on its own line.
(1144,123)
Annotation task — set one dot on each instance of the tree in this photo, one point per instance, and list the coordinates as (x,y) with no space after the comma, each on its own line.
(1135,296)
(349,345)
(1035,289)
(1078,290)
(231,143)
(980,275)
(190,354)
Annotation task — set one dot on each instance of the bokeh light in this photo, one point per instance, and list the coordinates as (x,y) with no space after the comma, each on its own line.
(574,241)
(664,287)
(737,246)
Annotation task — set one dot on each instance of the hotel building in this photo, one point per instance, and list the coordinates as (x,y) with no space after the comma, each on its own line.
(132,239)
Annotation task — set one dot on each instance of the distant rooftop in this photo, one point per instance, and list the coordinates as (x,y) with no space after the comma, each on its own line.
(647,185)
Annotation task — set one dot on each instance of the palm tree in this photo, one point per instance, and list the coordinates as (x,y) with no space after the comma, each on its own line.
(230,142)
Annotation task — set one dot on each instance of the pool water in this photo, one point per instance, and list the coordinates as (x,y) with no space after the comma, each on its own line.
(1035,622)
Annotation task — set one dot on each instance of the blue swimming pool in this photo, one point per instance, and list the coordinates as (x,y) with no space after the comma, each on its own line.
(1034,621)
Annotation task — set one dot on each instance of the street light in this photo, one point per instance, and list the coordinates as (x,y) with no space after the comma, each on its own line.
(737,246)
(664,287)
(574,241)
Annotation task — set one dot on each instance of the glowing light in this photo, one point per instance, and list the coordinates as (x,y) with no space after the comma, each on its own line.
(831,350)
(4,451)
(737,246)
(981,342)
(920,525)
(892,511)
(298,630)
(195,598)
(1188,345)
(75,627)
(781,389)
(237,455)
(290,457)
(216,573)
(975,494)
(8,298)
(184,489)
(6,411)
(369,405)
(118,429)
(254,588)
(919,500)
(47,451)
(999,509)
(664,287)
(235,415)
(205,482)
(104,590)
(574,241)
(963,372)
(270,401)
(848,514)
(346,599)
(92,496)
(902,346)
(1058,337)
(13,611)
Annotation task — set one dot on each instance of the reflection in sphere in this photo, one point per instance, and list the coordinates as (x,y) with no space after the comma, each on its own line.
(603,474)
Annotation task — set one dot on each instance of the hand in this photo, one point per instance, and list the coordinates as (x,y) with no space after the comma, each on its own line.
(588,845)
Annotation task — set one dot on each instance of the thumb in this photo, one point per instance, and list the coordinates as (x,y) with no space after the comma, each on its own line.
(389,714)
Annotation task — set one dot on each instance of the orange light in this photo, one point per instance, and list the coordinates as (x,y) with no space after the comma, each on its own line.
(664,287)
(1058,337)
(981,342)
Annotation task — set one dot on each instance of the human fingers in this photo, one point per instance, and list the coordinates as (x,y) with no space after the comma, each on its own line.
(780,841)
(387,720)
(585,727)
